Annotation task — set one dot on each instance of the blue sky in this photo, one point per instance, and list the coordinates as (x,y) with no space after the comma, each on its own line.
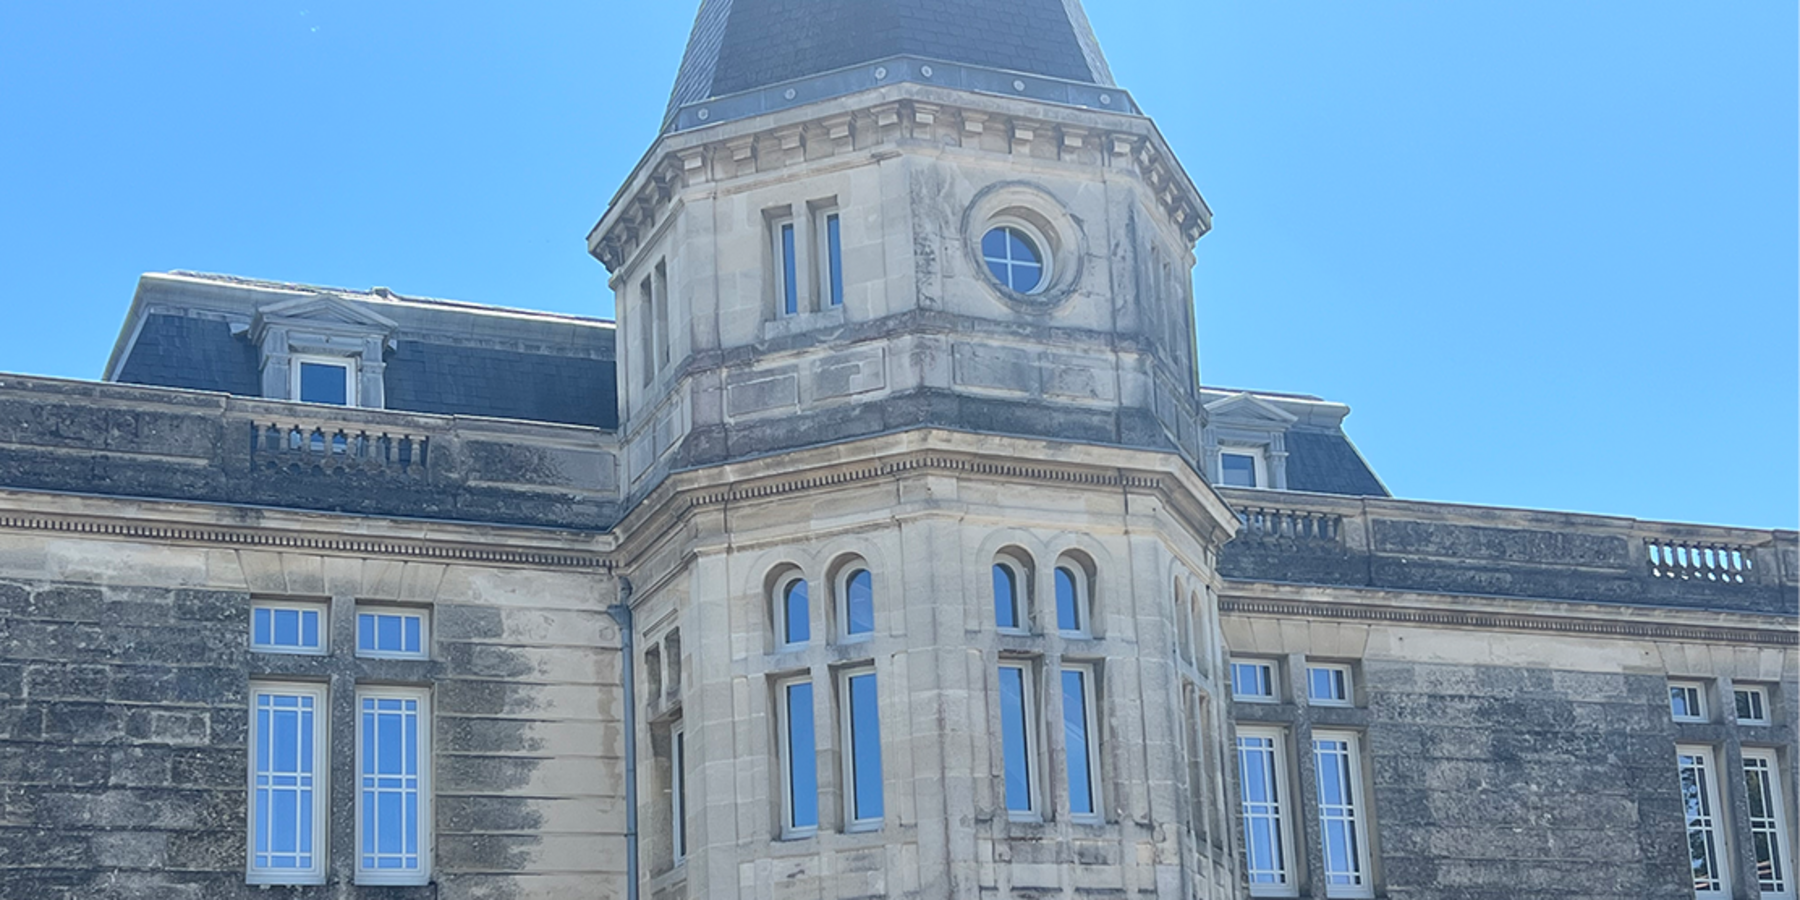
(1545,250)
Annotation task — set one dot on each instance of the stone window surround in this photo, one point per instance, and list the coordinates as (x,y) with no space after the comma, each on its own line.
(329,328)
(1245,421)
(1728,738)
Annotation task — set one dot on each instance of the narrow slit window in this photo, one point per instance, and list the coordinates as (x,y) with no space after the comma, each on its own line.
(1081,743)
(799,760)
(678,794)
(1018,746)
(391,634)
(862,746)
(660,297)
(1268,838)
(831,236)
(393,817)
(1706,839)
(1687,701)
(287,628)
(1768,824)
(1343,822)
(287,789)
(859,604)
(647,335)
(787,263)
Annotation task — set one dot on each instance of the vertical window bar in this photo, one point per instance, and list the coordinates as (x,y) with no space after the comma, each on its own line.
(1016,742)
(1699,797)
(1262,778)
(1768,823)
(1341,816)
(864,746)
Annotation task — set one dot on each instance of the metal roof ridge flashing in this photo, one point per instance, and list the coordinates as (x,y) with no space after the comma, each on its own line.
(894,70)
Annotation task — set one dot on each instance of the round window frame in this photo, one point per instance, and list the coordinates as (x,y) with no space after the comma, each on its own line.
(1046,255)
(1035,211)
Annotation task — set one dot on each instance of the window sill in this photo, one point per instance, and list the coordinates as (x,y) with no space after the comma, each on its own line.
(830,317)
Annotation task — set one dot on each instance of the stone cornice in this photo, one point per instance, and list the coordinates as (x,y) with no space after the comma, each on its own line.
(885,117)
(1356,606)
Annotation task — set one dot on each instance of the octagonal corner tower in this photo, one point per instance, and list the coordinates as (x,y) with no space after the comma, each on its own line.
(922,561)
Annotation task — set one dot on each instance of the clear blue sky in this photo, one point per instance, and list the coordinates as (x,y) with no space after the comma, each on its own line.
(1546,250)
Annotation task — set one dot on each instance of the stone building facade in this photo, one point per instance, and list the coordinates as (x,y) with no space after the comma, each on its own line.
(886,546)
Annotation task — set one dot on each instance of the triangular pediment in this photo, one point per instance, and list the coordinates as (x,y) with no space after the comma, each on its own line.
(1248,409)
(325,309)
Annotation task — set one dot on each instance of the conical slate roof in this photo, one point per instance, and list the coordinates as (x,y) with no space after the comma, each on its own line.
(745,45)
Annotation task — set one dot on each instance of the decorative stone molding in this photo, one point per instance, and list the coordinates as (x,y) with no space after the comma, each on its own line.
(323,325)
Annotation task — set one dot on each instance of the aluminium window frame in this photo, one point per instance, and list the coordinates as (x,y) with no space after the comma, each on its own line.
(322,609)
(779,609)
(1766,762)
(846,574)
(1084,604)
(1284,803)
(830,255)
(1032,735)
(1359,817)
(1721,846)
(1089,676)
(424,617)
(784,734)
(1761,703)
(847,744)
(321,775)
(1274,670)
(1348,680)
(1701,701)
(1259,455)
(785,268)
(1021,574)
(425,837)
(351,365)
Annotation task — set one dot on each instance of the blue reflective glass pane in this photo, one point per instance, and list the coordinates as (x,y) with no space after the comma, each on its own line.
(798,625)
(1025,278)
(261,627)
(865,746)
(860,603)
(1321,684)
(1006,598)
(1255,776)
(1068,610)
(285,742)
(1013,738)
(1238,470)
(287,627)
(324,384)
(1263,841)
(1075,743)
(365,632)
(1020,248)
(993,244)
(388,744)
(412,822)
(368,749)
(388,816)
(803,775)
(790,279)
(284,821)
(410,643)
(835,249)
(309,628)
(387,633)
(262,822)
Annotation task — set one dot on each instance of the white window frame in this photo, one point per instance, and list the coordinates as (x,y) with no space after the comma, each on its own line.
(1348,677)
(1046,256)
(323,612)
(1090,685)
(1358,816)
(424,617)
(1084,606)
(1274,694)
(1259,456)
(678,837)
(1760,703)
(1698,693)
(1774,827)
(1283,814)
(780,607)
(785,758)
(1034,794)
(350,365)
(1708,769)
(321,786)
(1021,581)
(390,876)
(779,224)
(843,603)
(822,217)
(846,739)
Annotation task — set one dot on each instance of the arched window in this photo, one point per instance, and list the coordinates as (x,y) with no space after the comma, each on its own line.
(856,592)
(1010,582)
(793,619)
(1072,599)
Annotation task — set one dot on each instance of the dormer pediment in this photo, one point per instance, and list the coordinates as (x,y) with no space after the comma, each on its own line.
(323,310)
(1245,410)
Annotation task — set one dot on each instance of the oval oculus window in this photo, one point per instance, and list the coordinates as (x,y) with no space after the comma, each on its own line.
(1014,258)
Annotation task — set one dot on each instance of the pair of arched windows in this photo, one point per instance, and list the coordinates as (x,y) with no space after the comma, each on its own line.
(1073,586)
(853,607)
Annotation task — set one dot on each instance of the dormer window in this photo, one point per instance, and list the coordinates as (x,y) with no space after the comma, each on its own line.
(1243,467)
(324,380)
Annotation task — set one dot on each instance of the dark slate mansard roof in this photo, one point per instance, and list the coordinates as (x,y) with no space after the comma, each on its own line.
(448,358)
(744,45)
